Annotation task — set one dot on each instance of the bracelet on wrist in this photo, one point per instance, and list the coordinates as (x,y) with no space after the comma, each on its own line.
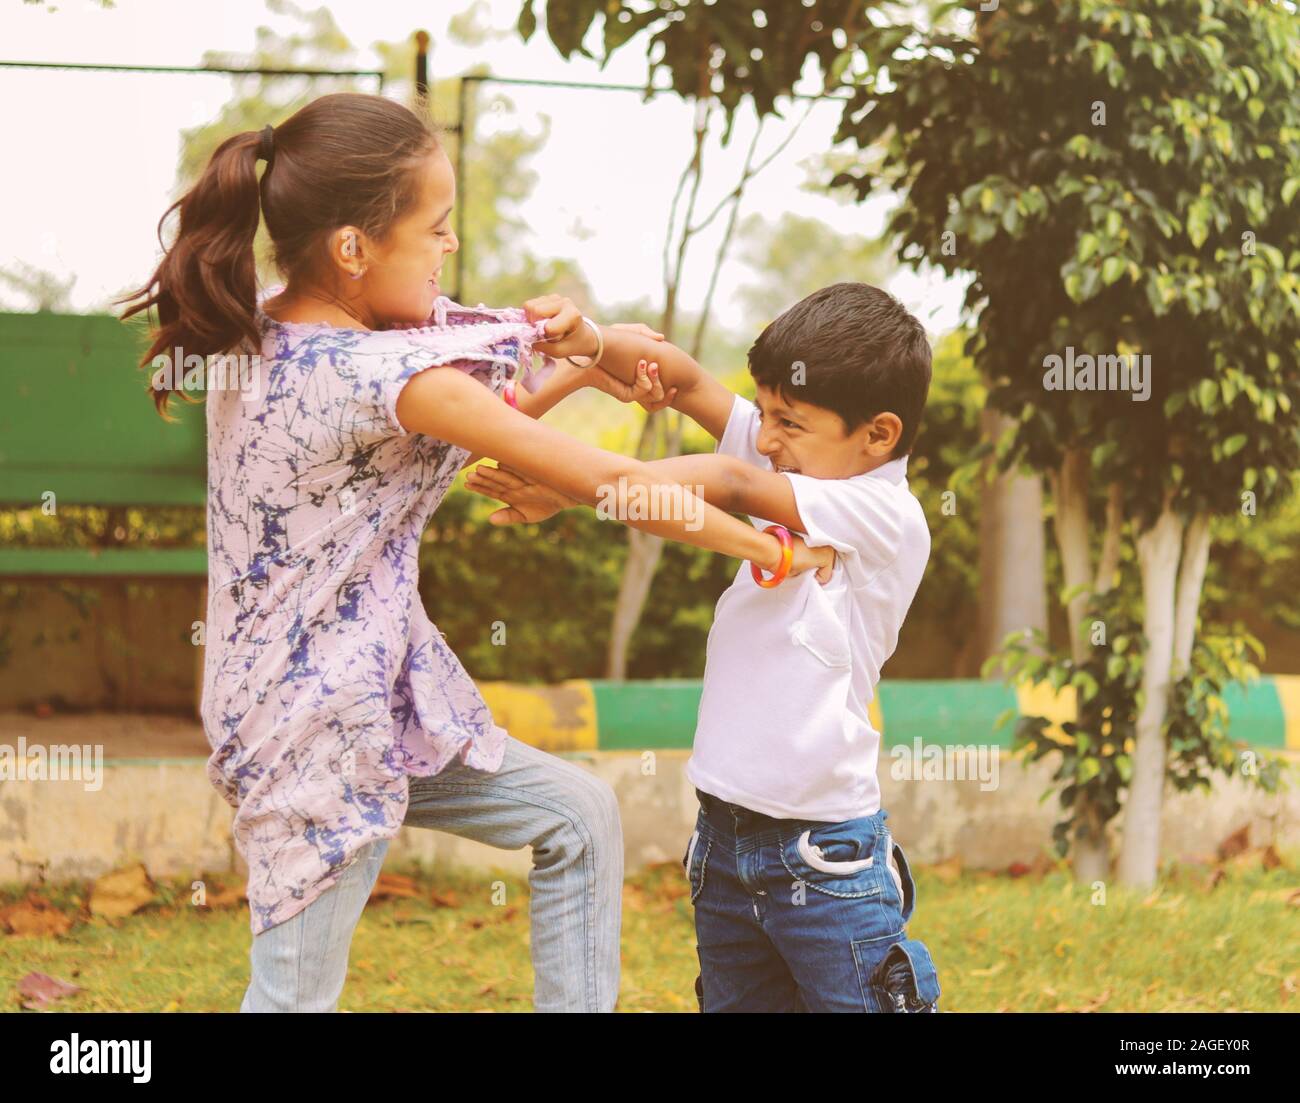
(592,361)
(787,558)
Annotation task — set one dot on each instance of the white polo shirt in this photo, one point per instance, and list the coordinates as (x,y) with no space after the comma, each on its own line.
(783,726)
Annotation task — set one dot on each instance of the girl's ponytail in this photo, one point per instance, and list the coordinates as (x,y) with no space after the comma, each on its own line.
(205,287)
(347,158)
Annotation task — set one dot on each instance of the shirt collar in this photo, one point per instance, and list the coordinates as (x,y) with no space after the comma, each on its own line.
(895,471)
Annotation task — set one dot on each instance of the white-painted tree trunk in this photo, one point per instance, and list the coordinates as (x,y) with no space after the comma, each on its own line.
(643,552)
(1158,554)
(1070,486)
(1191,578)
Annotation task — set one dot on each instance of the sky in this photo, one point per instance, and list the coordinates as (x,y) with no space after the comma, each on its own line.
(93,156)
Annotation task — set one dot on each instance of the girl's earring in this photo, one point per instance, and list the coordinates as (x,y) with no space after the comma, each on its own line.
(358,275)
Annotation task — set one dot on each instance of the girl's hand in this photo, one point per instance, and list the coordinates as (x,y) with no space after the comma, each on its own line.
(527,502)
(566,333)
(639,327)
(647,389)
(821,559)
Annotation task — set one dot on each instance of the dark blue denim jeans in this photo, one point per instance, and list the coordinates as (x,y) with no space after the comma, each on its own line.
(801,915)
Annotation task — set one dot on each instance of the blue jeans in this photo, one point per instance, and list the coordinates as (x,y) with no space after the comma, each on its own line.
(802,915)
(570,819)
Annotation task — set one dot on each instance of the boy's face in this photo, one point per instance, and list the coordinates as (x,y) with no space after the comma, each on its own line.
(810,440)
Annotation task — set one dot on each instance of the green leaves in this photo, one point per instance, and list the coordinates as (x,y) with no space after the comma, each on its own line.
(1198,222)
(1234,444)
(1111,270)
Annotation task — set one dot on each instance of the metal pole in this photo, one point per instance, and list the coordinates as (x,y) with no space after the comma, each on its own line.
(462,136)
(422,67)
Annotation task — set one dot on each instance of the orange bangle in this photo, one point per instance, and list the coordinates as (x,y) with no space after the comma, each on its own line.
(787,557)
(509,394)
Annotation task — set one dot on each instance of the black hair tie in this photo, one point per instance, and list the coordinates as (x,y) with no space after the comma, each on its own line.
(266,148)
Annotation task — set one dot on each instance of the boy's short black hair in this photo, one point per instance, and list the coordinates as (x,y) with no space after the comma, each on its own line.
(863,354)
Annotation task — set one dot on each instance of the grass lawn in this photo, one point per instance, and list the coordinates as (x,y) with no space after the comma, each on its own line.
(1032,943)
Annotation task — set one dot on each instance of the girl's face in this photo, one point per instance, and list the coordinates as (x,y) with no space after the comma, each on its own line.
(402,272)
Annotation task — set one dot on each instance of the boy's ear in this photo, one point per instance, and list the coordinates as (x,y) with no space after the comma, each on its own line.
(884,431)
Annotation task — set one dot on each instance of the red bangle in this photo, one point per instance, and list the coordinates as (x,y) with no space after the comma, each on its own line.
(509,394)
(787,557)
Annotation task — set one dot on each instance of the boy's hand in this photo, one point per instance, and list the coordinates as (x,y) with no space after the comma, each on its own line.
(527,502)
(821,559)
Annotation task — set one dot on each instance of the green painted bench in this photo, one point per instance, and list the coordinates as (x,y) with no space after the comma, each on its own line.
(76,420)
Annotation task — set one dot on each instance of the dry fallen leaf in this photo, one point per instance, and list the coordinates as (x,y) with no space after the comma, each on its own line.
(444,899)
(38,990)
(1236,843)
(34,917)
(1097,1002)
(121,893)
(391,886)
(228,898)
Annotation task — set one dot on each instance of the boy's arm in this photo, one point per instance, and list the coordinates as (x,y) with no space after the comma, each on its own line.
(699,396)
(564,381)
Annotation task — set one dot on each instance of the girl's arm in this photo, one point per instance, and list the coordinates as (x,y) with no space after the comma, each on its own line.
(727,482)
(562,382)
(568,378)
(449,405)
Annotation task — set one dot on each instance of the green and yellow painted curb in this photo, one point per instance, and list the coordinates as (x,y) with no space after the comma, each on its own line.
(583,715)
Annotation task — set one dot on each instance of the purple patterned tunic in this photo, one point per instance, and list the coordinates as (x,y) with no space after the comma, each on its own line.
(325,684)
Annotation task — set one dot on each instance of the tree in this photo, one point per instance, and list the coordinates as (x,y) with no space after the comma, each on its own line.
(793,256)
(42,289)
(1120,184)
(703,49)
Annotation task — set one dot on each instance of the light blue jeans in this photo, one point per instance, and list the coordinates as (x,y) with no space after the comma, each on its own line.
(570,819)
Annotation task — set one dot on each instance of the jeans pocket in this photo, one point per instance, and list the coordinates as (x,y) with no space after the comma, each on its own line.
(696,860)
(901,875)
(904,980)
(837,859)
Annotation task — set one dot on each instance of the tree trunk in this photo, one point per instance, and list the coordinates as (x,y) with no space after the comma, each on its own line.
(643,552)
(1158,553)
(1108,561)
(1091,855)
(1191,577)
(1070,484)
(1013,592)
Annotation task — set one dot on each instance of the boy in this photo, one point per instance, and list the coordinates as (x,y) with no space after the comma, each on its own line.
(799,892)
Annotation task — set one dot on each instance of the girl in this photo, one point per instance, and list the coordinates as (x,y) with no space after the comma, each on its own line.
(335,711)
